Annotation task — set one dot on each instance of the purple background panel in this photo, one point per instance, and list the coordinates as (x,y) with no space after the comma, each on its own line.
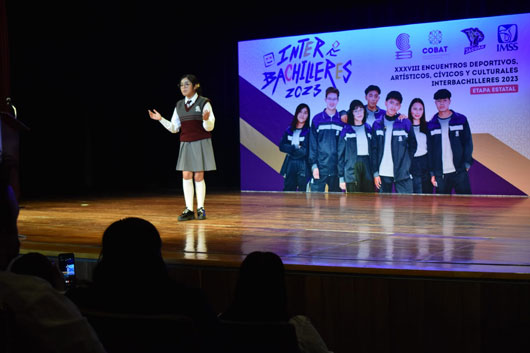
(485,182)
(256,175)
(264,114)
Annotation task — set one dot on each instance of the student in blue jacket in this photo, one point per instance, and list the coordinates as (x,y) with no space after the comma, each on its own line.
(324,136)
(294,143)
(419,169)
(373,112)
(393,147)
(372,94)
(354,151)
(450,147)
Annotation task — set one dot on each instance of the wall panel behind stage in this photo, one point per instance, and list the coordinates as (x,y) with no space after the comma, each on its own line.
(484,62)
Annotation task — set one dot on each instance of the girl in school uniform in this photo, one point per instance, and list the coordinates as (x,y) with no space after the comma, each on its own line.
(194,118)
(354,151)
(419,169)
(295,142)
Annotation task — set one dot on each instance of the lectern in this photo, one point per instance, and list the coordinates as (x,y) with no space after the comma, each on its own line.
(10,129)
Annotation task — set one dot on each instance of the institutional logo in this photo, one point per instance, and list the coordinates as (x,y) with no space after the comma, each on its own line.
(403,44)
(507,33)
(268,59)
(507,37)
(435,39)
(475,36)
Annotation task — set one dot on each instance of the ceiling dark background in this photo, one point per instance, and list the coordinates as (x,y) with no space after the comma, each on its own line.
(84,73)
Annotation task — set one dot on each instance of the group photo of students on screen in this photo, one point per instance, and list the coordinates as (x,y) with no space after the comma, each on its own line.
(370,149)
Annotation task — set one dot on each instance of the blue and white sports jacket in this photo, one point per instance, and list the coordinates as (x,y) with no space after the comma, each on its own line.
(323,143)
(461,143)
(293,152)
(347,151)
(404,146)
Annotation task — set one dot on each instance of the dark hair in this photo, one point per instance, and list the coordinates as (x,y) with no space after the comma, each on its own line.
(372,88)
(194,81)
(130,251)
(423,122)
(442,94)
(394,95)
(35,264)
(131,234)
(295,117)
(260,290)
(332,90)
(354,104)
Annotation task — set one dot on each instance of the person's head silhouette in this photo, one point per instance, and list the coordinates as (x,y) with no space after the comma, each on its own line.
(260,291)
(131,251)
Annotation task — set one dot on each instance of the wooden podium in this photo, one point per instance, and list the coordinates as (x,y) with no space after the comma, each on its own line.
(11,128)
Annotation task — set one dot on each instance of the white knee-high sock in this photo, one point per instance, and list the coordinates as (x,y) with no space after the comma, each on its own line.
(200,189)
(187,186)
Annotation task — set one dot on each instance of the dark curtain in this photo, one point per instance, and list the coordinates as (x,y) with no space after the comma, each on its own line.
(4,56)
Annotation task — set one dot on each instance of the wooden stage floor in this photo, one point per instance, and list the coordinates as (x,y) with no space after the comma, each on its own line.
(410,235)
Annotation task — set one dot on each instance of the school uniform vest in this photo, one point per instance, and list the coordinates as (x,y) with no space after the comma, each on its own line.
(191,120)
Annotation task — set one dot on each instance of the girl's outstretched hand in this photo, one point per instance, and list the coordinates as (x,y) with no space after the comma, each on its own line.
(154,115)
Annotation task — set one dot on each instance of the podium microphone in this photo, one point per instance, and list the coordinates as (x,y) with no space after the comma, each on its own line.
(8,102)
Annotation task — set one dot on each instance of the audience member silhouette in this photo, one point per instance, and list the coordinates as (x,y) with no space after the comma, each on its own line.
(261,296)
(36,264)
(260,293)
(34,316)
(132,277)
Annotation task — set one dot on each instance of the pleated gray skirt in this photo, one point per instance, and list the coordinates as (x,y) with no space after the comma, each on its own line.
(196,156)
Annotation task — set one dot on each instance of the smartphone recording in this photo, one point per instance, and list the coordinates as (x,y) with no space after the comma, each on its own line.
(67,267)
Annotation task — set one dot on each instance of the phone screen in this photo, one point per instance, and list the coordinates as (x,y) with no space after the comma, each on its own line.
(67,266)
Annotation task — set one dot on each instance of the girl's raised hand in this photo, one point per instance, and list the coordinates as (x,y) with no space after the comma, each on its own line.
(154,115)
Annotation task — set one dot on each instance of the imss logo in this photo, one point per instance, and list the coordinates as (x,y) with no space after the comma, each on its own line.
(507,37)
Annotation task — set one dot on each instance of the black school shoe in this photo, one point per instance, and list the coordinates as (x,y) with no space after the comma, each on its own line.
(187,215)
(201,213)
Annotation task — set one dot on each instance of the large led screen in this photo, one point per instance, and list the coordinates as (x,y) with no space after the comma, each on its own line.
(483,62)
